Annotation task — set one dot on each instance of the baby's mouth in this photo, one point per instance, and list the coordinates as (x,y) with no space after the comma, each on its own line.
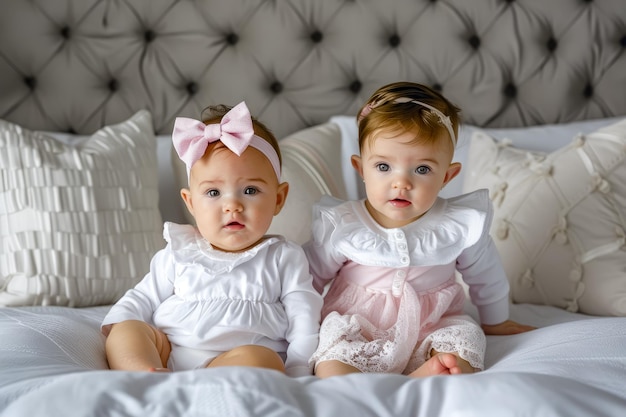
(234,225)
(400,202)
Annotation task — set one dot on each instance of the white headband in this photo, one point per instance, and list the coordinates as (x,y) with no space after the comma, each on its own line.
(443,119)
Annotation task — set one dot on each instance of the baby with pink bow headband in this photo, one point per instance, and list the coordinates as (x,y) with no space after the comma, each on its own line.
(222,292)
(235,131)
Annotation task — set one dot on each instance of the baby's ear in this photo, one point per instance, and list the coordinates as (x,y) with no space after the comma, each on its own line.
(281,196)
(453,170)
(186,195)
(357,164)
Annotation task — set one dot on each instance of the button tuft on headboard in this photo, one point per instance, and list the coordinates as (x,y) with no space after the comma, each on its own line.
(113,85)
(588,91)
(65,32)
(31,82)
(437,87)
(317,36)
(474,41)
(394,40)
(551,44)
(276,87)
(192,88)
(149,35)
(232,38)
(510,90)
(355,86)
(623,41)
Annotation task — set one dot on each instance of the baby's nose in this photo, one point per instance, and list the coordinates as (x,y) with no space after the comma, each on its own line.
(402,181)
(232,205)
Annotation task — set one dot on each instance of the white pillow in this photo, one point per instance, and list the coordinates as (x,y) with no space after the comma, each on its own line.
(560,218)
(79,224)
(312,165)
(543,138)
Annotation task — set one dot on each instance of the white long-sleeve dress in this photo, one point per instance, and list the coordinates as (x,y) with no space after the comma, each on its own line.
(208,301)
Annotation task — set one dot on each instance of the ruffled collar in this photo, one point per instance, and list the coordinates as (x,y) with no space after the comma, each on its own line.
(187,247)
(438,237)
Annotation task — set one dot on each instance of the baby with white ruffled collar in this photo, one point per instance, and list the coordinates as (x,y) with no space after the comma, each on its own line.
(221,293)
(393,304)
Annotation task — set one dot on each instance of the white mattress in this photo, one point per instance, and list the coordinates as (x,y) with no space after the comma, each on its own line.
(52,363)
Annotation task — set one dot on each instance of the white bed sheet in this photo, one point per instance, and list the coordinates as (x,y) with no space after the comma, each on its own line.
(52,363)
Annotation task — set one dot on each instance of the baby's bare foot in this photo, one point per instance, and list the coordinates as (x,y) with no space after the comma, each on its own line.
(440,364)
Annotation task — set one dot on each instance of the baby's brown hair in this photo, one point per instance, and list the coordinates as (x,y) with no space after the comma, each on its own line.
(393,108)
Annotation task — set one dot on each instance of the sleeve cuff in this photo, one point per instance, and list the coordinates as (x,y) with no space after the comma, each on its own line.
(494,313)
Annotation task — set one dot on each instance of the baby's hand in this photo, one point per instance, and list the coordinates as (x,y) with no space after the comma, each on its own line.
(505,328)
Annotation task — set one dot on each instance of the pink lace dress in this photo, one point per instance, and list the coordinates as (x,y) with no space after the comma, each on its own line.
(394,295)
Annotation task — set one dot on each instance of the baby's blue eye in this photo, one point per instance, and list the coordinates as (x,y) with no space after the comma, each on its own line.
(382,167)
(422,170)
(213,193)
(250,191)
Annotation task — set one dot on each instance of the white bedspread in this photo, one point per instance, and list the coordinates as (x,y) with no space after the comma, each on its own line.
(52,363)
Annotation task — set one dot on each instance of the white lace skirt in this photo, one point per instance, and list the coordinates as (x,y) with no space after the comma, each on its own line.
(377,332)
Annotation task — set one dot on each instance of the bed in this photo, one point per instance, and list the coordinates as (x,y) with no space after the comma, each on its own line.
(89,90)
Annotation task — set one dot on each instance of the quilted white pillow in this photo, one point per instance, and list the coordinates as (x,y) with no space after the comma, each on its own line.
(78,224)
(560,218)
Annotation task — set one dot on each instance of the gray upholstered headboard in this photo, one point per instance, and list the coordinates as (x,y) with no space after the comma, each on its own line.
(75,65)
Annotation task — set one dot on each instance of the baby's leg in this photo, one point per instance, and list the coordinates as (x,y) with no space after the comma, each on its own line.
(330,368)
(250,355)
(134,345)
(460,336)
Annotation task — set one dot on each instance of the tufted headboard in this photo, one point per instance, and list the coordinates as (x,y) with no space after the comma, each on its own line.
(76,65)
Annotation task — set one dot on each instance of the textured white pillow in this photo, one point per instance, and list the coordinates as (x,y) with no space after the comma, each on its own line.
(78,224)
(312,165)
(560,218)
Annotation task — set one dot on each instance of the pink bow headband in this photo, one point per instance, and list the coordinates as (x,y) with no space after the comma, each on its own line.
(191,137)
(444,119)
